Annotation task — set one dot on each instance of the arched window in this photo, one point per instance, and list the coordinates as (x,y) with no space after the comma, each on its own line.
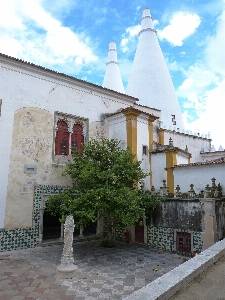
(77,137)
(62,139)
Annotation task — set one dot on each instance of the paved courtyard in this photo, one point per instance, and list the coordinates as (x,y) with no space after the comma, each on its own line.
(103,273)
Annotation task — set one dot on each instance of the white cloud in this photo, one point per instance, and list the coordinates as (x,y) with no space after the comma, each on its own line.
(129,38)
(9,46)
(133,30)
(9,17)
(181,26)
(212,118)
(204,88)
(216,47)
(31,33)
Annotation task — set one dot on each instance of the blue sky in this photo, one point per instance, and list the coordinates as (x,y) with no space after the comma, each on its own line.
(72,37)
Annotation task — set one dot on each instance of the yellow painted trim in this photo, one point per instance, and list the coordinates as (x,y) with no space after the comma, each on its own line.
(171,160)
(161,136)
(131,126)
(151,119)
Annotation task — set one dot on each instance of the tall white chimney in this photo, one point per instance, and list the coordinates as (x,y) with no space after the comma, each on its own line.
(112,79)
(150,79)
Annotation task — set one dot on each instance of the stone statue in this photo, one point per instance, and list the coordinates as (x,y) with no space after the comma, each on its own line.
(67,261)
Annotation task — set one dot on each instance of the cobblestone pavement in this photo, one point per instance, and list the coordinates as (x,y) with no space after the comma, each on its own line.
(103,273)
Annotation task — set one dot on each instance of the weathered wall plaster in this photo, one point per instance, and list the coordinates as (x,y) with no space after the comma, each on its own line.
(31,146)
(178,214)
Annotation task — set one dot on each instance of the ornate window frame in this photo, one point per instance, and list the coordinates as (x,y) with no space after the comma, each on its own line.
(70,121)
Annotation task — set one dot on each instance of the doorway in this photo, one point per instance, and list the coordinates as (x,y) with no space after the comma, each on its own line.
(139,233)
(51,226)
(183,242)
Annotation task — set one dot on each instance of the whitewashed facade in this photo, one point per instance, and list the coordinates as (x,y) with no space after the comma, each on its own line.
(33,102)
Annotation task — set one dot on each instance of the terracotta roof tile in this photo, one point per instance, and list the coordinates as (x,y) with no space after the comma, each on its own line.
(220,160)
(127,108)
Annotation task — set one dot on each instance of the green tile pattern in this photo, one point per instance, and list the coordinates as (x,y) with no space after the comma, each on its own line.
(22,238)
(163,238)
(160,238)
(119,233)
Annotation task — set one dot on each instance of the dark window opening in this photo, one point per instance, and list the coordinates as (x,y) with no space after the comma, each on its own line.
(62,139)
(64,149)
(144,150)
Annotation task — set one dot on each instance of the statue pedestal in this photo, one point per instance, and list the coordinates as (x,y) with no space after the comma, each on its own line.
(66,271)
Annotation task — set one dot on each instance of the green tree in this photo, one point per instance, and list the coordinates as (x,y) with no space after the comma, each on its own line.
(105,179)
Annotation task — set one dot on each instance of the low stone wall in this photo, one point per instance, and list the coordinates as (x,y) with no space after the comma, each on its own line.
(166,286)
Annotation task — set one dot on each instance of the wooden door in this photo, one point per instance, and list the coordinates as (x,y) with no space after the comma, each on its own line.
(139,233)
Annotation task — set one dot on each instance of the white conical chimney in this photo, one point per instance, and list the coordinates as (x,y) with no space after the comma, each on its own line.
(112,79)
(149,78)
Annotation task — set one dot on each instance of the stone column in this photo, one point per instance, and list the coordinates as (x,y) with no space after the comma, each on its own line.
(81,233)
(67,267)
(210,234)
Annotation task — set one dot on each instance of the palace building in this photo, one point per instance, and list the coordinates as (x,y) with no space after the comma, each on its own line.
(43,114)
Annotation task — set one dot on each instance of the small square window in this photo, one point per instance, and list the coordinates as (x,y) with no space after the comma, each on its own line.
(144,150)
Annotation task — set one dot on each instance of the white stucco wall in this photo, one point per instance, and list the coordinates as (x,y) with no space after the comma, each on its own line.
(24,85)
(117,128)
(158,172)
(181,159)
(200,176)
(143,140)
(195,144)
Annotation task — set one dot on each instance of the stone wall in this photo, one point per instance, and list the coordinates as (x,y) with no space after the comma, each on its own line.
(220,217)
(184,214)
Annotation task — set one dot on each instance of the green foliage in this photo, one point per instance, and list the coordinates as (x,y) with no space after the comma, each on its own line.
(149,202)
(106,244)
(104,179)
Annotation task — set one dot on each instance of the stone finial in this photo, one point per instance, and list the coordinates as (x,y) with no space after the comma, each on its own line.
(164,189)
(220,191)
(207,191)
(186,149)
(213,182)
(191,193)
(153,190)
(177,189)
(177,192)
(170,142)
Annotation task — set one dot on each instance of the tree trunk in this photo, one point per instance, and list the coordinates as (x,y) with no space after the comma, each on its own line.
(110,231)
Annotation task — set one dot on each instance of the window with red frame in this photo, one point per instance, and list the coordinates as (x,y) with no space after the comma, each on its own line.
(77,137)
(62,139)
